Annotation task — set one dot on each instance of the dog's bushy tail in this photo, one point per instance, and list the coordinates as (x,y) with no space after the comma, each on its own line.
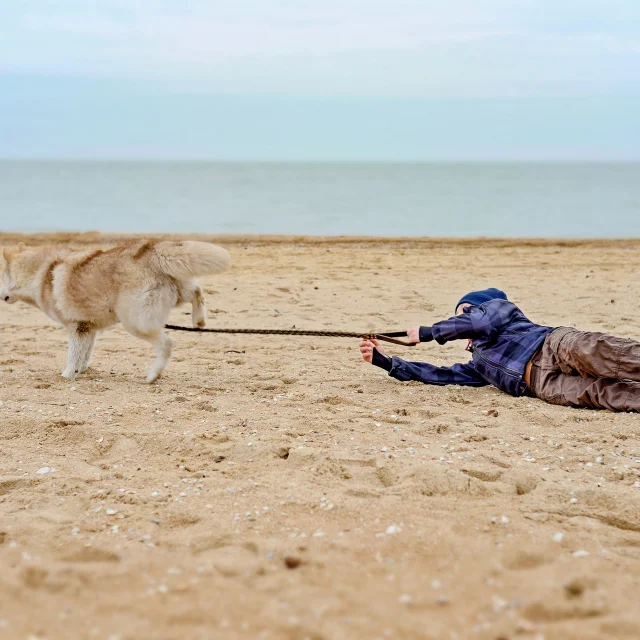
(189,259)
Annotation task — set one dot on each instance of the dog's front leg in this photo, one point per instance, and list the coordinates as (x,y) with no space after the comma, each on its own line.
(73,358)
(88,343)
(81,340)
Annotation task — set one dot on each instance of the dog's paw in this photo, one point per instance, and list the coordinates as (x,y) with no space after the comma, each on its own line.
(198,320)
(84,367)
(153,376)
(70,374)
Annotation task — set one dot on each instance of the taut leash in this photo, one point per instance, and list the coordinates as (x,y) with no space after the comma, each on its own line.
(387,336)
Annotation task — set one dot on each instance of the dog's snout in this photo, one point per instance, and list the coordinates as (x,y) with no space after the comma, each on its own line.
(6,298)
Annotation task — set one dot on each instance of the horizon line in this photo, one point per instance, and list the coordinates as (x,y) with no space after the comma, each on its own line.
(214,160)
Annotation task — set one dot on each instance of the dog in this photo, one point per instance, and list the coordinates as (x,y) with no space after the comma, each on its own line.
(136,284)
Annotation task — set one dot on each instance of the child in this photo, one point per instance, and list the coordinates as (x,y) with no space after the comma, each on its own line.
(559,365)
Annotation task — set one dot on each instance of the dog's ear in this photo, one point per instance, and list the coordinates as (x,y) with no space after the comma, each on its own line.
(4,254)
(21,247)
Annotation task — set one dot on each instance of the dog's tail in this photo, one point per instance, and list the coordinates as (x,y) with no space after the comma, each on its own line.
(189,259)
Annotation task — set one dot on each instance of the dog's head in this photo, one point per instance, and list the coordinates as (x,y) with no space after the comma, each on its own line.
(12,273)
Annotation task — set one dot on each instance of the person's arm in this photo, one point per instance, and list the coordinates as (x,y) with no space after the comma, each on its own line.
(462,374)
(420,334)
(477,322)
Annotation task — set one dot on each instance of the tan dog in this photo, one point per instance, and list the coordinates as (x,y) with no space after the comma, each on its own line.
(137,284)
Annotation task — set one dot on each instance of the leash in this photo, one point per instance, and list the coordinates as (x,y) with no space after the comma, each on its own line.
(387,336)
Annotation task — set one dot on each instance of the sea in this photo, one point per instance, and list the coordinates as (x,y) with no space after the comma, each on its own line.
(501,200)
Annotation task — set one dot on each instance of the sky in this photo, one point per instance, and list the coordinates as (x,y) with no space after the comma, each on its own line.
(380,80)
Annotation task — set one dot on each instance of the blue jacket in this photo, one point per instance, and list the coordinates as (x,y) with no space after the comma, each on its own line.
(503,342)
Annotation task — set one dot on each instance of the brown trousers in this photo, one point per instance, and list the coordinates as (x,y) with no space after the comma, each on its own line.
(585,369)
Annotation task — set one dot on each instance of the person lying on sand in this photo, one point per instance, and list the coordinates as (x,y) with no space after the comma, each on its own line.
(559,365)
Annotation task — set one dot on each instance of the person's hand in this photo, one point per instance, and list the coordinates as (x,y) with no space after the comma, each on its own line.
(367,347)
(414,334)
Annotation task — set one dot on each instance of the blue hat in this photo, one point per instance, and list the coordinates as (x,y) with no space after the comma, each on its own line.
(476,298)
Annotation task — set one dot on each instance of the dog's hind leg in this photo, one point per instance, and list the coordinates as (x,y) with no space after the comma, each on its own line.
(144,317)
(162,345)
(198,308)
(81,340)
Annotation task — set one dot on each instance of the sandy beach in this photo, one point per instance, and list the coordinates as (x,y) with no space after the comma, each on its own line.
(280,488)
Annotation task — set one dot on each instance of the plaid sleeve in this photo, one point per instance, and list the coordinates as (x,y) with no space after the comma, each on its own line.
(462,374)
(479,322)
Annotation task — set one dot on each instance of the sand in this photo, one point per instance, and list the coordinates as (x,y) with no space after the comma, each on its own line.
(280,488)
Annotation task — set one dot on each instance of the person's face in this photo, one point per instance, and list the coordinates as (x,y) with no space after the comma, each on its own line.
(460,310)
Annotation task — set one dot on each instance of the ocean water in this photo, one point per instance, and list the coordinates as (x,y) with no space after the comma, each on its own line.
(590,200)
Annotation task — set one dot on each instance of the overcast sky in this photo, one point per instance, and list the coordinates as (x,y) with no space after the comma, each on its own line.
(320,79)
